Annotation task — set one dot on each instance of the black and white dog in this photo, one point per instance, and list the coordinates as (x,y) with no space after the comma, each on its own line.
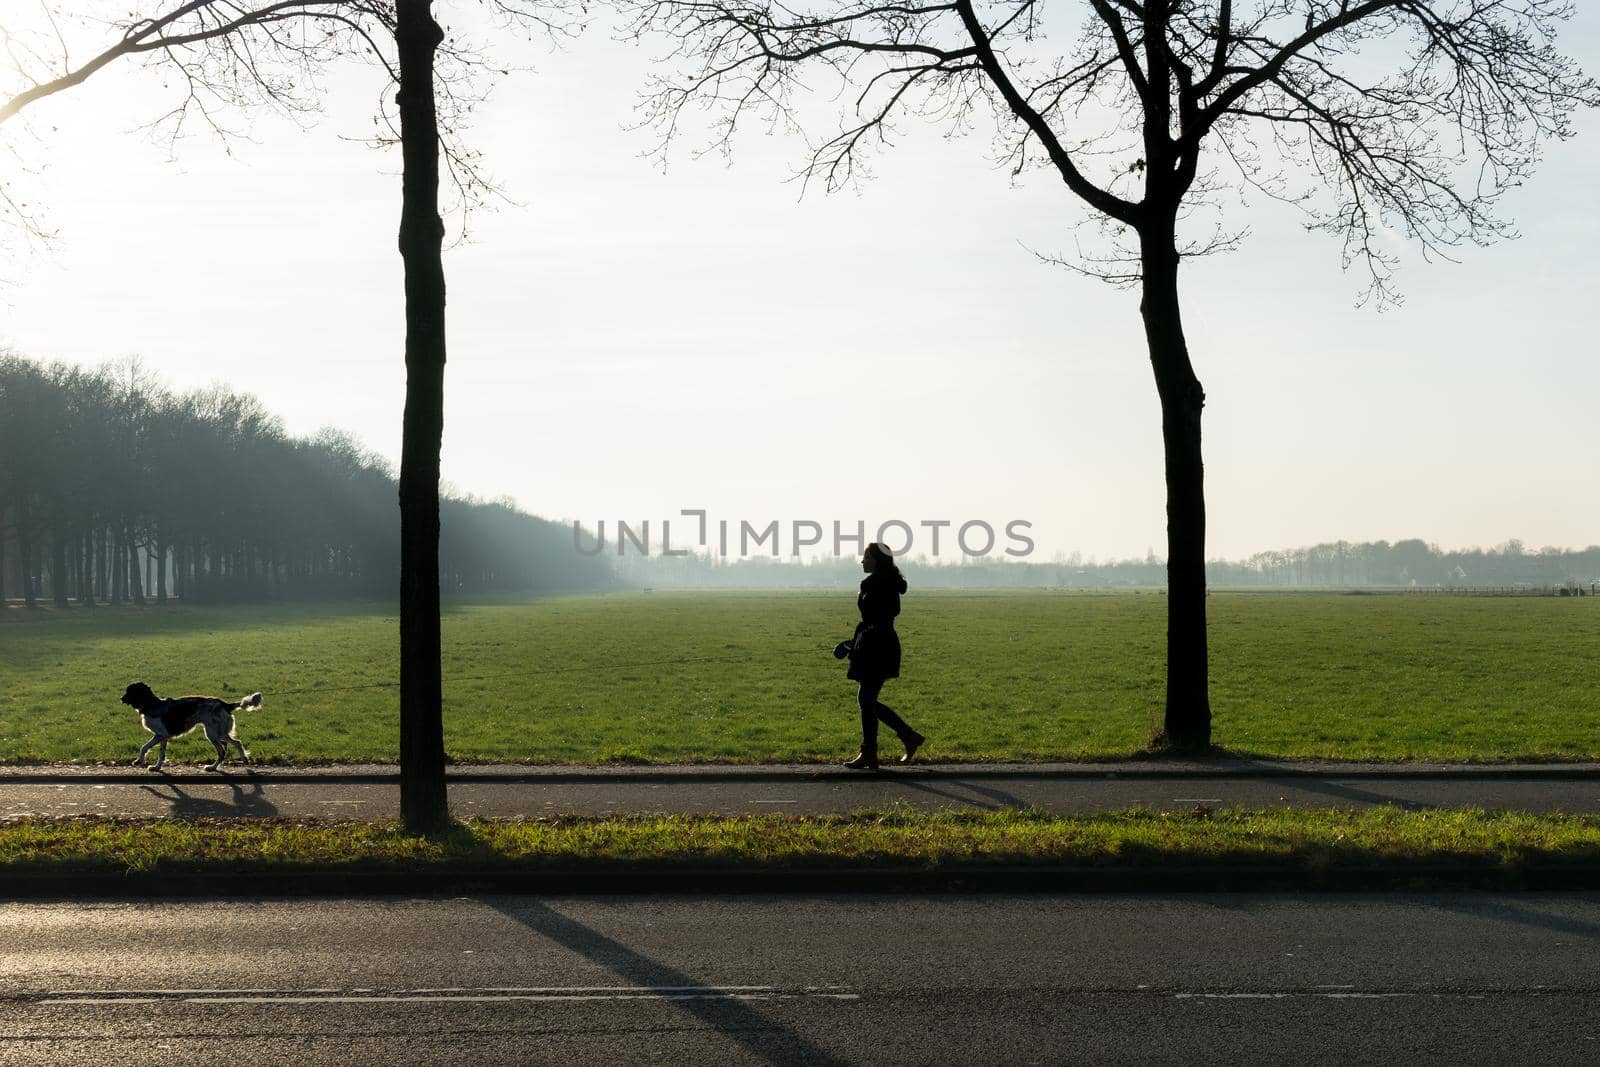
(175,716)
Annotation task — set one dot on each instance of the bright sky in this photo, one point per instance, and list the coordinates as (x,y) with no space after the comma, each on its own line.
(626,343)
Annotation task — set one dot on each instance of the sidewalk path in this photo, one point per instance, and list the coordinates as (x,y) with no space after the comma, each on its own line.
(498,791)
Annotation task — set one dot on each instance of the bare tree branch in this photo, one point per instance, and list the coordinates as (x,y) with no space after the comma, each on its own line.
(1423,151)
(230,56)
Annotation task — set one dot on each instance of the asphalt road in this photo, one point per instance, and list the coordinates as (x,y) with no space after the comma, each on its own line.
(371,792)
(943,980)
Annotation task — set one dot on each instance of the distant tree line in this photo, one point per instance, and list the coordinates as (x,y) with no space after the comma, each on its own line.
(1345,564)
(115,489)
(1335,565)
(832,572)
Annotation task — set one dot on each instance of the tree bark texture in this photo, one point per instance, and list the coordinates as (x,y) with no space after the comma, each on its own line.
(1187,722)
(424,806)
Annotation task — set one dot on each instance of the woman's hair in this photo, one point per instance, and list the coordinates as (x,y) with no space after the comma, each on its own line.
(885,560)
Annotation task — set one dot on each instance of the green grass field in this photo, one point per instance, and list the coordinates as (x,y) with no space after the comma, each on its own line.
(747,676)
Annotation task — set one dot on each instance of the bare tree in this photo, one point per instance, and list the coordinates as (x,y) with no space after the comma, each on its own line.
(1379,118)
(228,54)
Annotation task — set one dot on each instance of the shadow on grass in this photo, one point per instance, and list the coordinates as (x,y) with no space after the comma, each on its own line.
(759,1034)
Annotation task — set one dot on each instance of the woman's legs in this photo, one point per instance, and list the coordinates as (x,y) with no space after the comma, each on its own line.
(873,711)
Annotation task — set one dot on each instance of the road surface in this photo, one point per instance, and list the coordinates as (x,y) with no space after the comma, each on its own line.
(1502,979)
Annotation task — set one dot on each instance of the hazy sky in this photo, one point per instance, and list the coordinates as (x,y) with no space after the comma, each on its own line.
(626,342)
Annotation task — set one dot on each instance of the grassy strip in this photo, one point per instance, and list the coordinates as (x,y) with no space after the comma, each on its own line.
(903,840)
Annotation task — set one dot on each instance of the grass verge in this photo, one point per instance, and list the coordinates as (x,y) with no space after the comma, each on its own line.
(1132,849)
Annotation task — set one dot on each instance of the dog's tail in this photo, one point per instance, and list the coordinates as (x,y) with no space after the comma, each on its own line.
(249,703)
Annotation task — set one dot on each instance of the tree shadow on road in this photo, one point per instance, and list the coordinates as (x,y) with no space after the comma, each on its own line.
(1310,783)
(759,1034)
(1352,795)
(987,798)
(1503,909)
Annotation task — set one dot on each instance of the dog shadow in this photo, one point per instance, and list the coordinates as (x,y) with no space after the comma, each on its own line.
(245,801)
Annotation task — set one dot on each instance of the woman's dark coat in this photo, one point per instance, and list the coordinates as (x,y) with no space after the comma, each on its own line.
(875,649)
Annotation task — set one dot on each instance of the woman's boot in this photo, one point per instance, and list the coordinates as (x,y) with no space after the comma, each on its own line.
(866,760)
(913,741)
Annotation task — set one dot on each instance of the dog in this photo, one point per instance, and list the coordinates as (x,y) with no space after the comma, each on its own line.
(171,717)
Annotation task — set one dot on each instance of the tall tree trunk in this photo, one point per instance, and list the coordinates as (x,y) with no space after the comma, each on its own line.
(161,572)
(1188,706)
(102,563)
(118,563)
(35,577)
(58,566)
(86,569)
(25,554)
(135,582)
(423,802)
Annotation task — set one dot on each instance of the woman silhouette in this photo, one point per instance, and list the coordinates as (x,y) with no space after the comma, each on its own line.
(874,654)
